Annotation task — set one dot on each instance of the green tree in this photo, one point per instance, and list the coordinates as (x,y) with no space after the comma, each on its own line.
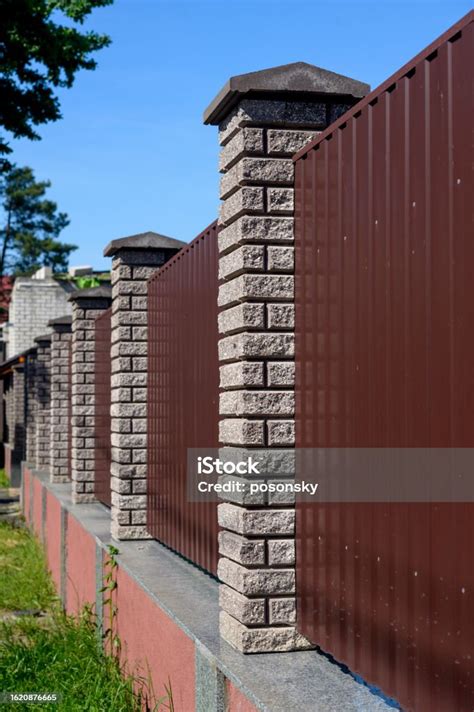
(31,225)
(39,54)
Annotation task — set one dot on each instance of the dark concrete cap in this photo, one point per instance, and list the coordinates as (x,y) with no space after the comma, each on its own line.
(15,360)
(143,241)
(102,292)
(61,321)
(44,337)
(299,79)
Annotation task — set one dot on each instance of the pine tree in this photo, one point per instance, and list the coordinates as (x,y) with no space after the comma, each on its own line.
(31,225)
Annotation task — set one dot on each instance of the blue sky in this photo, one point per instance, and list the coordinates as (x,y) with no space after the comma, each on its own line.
(131,153)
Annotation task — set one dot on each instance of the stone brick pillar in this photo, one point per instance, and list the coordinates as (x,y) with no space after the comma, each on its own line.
(263,118)
(14,396)
(19,434)
(134,260)
(30,376)
(43,400)
(87,305)
(14,404)
(60,399)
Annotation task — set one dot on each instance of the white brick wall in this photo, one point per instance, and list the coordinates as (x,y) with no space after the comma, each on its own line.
(34,303)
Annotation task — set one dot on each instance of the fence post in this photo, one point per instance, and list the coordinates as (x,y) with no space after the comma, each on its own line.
(263,118)
(60,399)
(135,258)
(43,399)
(87,304)
(30,401)
(15,421)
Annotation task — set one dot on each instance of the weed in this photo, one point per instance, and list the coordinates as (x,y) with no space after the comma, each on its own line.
(4,481)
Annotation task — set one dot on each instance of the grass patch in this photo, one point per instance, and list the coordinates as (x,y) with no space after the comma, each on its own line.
(24,581)
(62,656)
(56,653)
(4,481)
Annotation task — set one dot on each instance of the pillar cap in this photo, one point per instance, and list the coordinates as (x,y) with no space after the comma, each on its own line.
(102,292)
(61,321)
(43,338)
(143,241)
(298,80)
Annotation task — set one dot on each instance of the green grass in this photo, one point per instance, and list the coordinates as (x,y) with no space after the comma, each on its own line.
(4,481)
(62,656)
(54,653)
(24,581)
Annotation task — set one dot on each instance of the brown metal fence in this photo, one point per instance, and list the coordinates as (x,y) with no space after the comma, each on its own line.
(103,334)
(385,353)
(183,395)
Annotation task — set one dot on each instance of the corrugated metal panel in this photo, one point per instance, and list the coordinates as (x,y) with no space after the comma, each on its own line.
(385,353)
(183,391)
(103,372)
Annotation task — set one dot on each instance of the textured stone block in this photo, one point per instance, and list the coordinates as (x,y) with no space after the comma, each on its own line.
(255,229)
(242,374)
(256,286)
(280,373)
(281,316)
(129,318)
(138,517)
(281,432)
(128,441)
(284,142)
(256,582)
(249,611)
(256,522)
(128,501)
(258,345)
(281,259)
(274,113)
(128,532)
(277,499)
(245,200)
(238,431)
(280,201)
(250,552)
(246,258)
(261,640)
(244,142)
(281,611)
(145,272)
(281,552)
(131,288)
(257,403)
(257,171)
(128,410)
(133,257)
(128,379)
(241,317)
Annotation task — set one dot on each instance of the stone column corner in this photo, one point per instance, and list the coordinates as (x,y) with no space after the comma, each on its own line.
(134,260)
(87,305)
(264,118)
(43,400)
(61,411)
